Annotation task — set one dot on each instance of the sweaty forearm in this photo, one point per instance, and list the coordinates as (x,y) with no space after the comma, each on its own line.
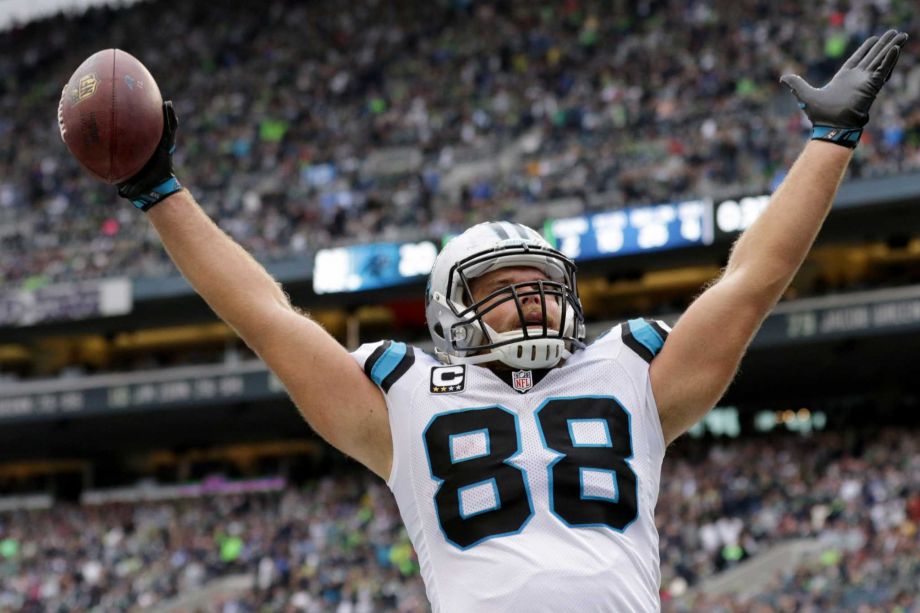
(771,251)
(230,280)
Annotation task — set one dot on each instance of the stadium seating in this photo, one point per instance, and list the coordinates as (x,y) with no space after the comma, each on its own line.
(301,127)
(338,544)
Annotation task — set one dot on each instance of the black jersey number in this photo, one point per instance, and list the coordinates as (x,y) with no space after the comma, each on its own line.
(481,495)
(592,484)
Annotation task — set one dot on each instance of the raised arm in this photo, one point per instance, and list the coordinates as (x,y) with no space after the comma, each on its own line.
(328,386)
(324,381)
(703,351)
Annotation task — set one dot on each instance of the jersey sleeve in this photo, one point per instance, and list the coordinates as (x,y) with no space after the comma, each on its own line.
(645,337)
(385,362)
(641,338)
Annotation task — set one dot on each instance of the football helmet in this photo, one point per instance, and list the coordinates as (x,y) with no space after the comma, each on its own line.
(456,322)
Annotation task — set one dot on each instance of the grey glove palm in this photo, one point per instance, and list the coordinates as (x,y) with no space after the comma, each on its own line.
(839,110)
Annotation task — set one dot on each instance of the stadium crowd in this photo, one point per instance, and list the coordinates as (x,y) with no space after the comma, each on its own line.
(302,124)
(335,541)
(339,545)
(860,496)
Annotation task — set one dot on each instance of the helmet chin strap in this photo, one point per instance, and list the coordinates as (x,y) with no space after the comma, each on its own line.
(501,354)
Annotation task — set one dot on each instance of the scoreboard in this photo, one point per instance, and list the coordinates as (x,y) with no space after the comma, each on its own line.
(633,230)
(357,268)
(365,267)
(628,231)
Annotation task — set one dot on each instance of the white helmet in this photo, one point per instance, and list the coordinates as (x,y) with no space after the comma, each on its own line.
(459,333)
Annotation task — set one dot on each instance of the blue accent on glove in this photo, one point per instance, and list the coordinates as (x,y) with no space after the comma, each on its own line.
(167,188)
(847,137)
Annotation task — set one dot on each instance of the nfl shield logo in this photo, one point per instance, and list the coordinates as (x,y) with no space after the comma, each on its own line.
(522,380)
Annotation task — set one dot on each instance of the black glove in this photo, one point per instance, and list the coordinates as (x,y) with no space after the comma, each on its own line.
(839,110)
(156,180)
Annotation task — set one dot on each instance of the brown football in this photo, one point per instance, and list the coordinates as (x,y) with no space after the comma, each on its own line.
(111,115)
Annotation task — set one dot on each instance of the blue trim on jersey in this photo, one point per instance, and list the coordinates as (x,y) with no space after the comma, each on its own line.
(608,443)
(450,445)
(498,500)
(551,465)
(647,335)
(440,482)
(388,362)
(581,482)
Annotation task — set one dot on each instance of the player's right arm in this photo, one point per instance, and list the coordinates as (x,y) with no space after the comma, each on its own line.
(328,386)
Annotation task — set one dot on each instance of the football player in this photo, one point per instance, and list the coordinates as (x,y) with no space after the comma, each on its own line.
(525,461)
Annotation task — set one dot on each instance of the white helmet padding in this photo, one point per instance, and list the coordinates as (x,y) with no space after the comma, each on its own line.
(461,336)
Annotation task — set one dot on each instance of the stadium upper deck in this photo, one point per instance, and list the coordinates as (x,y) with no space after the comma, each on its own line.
(303,125)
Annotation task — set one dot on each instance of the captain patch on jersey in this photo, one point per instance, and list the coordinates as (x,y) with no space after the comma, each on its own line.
(447,379)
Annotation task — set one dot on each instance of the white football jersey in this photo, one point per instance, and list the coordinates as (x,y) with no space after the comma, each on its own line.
(529,491)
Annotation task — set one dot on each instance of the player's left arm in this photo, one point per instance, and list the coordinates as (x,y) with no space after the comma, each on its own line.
(701,354)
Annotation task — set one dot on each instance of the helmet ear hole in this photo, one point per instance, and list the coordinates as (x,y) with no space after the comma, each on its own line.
(439,329)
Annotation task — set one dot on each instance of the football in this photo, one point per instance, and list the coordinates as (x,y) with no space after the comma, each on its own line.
(111,115)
